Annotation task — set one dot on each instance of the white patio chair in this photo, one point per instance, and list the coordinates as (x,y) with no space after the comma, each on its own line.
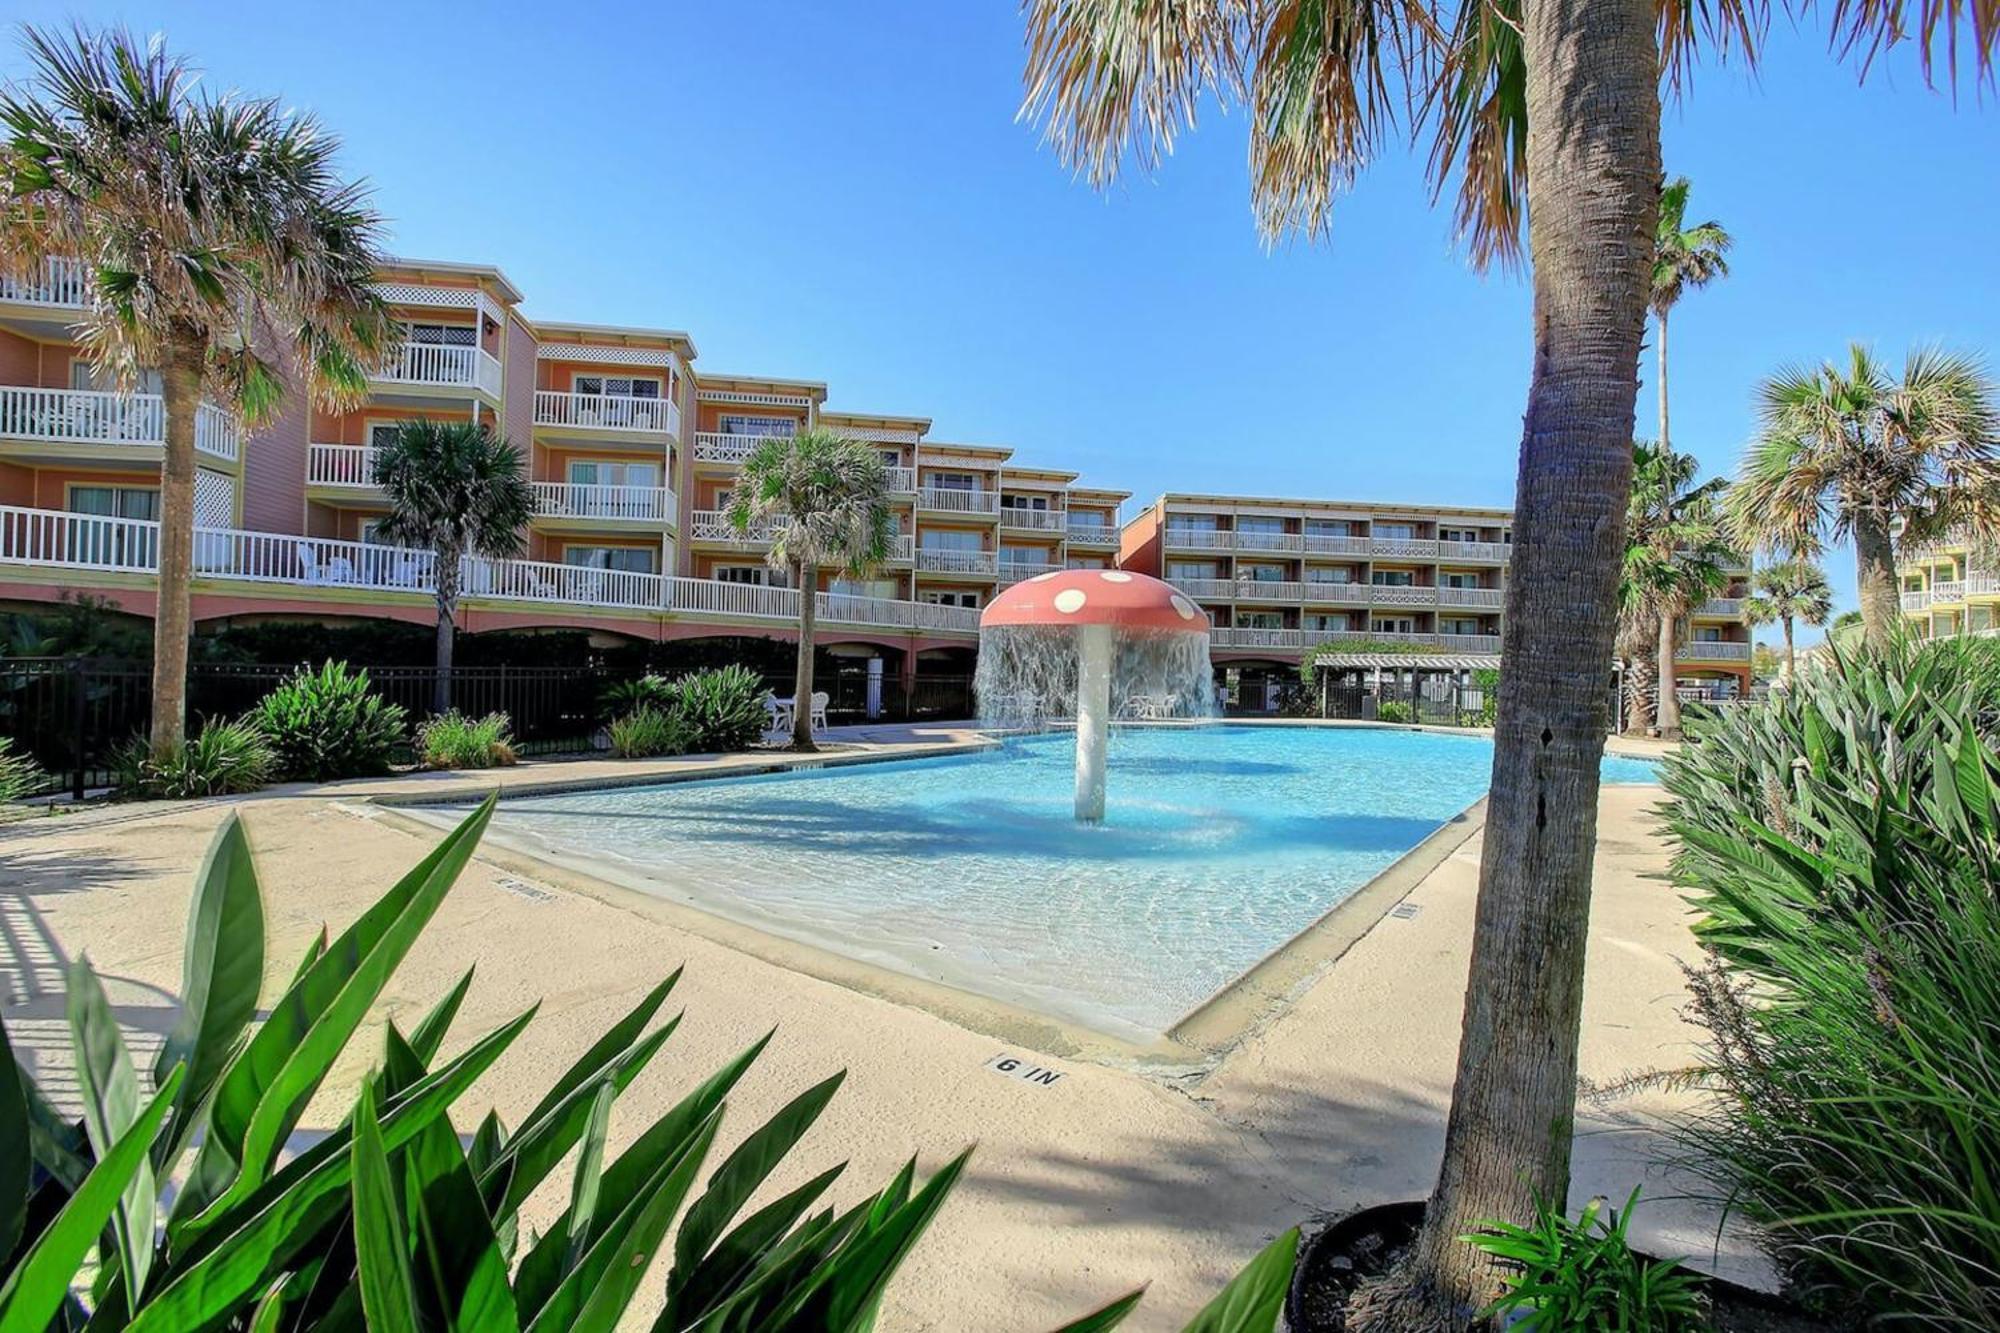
(308,562)
(778,713)
(820,699)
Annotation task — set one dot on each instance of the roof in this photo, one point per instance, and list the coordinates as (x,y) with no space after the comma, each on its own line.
(917,424)
(1402,661)
(678,337)
(1389,507)
(488,271)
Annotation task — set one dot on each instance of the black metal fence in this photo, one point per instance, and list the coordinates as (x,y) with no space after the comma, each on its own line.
(1434,701)
(72,715)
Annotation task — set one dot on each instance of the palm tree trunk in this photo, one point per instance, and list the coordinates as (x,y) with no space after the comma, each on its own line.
(1791,657)
(1875,578)
(172,615)
(1668,714)
(802,736)
(1660,352)
(447,630)
(1642,674)
(1594,172)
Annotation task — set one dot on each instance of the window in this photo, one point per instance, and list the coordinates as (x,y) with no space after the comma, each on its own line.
(84,374)
(1260,523)
(1191,569)
(1325,622)
(1039,503)
(1084,518)
(952,539)
(1024,555)
(1260,619)
(883,588)
(755,575)
(891,457)
(953,481)
(1708,634)
(371,532)
(618,386)
(1260,573)
(1458,627)
(448,335)
(1329,527)
(1088,562)
(382,433)
(940,597)
(765,427)
(1393,578)
(1394,625)
(625,559)
(591,472)
(1325,574)
(1450,580)
(1194,522)
(1396,531)
(1458,534)
(115,501)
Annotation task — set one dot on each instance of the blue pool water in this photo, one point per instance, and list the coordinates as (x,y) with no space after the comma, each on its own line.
(1219,844)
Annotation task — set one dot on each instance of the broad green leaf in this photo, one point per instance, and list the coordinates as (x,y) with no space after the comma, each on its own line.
(845,1294)
(1253,1301)
(589,1170)
(110,1088)
(727,1267)
(1109,1316)
(607,1048)
(745,1170)
(222,967)
(315,950)
(388,1294)
(15,1158)
(428,1035)
(487,1141)
(270,1308)
(461,1271)
(39,1284)
(260,1097)
(257,1235)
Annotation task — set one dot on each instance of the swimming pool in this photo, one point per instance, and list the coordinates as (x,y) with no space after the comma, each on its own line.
(1219,844)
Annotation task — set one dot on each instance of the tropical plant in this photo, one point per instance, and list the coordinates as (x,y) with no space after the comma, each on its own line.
(1393,710)
(208,227)
(391,1220)
(1553,103)
(649,730)
(824,499)
(1852,453)
(1675,558)
(329,724)
(1785,593)
(459,490)
(453,740)
(623,696)
(723,708)
(18,774)
(224,758)
(1583,1275)
(1685,259)
(1841,841)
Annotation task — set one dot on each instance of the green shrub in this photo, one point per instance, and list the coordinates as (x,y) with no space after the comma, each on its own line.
(391,1220)
(328,724)
(648,731)
(1584,1275)
(626,695)
(224,759)
(1393,710)
(724,708)
(1841,841)
(18,775)
(453,740)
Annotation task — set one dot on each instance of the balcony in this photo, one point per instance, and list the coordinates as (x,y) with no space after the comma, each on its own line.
(712,446)
(441,365)
(648,505)
(1721,608)
(1091,534)
(1945,591)
(946,501)
(1316,544)
(1250,539)
(52,539)
(1269,590)
(1712,651)
(902,549)
(712,526)
(1402,594)
(91,416)
(1013,571)
(60,284)
(902,480)
(607,411)
(1485,599)
(1918,599)
(343,466)
(1476,552)
(937,560)
(1253,637)
(1328,593)
(1050,521)
(1199,539)
(1454,643)
(1405,548)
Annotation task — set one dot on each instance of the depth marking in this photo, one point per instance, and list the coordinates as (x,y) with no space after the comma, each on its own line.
(1014,1066)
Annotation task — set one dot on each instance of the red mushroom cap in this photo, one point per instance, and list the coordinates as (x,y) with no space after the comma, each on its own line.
(1096,597)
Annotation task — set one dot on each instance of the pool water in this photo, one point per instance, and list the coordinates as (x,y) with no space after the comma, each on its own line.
(1219,844)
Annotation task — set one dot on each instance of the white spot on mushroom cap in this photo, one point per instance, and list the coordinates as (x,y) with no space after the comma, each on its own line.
(1183,606)
(1115,576)
(1070,600)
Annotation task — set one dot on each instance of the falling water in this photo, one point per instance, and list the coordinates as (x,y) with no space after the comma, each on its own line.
(1027,675)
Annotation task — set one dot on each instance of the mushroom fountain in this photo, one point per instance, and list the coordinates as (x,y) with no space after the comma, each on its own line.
(1092,644)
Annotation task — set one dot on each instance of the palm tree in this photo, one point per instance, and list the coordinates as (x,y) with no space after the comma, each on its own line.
(824,498)
(1554,102)
(212,230)
(1675,559)
(1791,590)
(1849,452)
(457,489)
(1685,259)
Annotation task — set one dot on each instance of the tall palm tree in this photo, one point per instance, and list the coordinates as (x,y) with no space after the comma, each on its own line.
(1675,559)
(1850,452)
(1554,102)
(213,231)
(824,498)
(1685,259)
(1786,592)
(456,489)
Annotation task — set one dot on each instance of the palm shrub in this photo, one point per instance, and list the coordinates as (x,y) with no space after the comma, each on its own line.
(328,724)
(623,696)
(723,708)
(1394,710)
(1842,843)
(453,740)
(18,774)
(391,1220)
(648,731)
(1583,1274)
(225,758)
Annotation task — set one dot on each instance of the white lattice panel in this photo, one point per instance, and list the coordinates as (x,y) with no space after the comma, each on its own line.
(731,396)
(878,434)
(214,500)
(607,356)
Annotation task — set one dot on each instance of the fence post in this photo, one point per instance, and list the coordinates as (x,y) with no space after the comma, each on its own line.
(74,670)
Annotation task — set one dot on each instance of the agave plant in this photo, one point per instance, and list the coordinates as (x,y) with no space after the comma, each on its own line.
(390,1221)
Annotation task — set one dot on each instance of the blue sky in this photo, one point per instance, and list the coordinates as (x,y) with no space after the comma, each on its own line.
(840,191)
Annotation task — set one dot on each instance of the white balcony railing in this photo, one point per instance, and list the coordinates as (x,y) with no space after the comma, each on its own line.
(442,364)
(1013,571)
(902,480)
(1486,598)
(1269,590)
(1948,590)
(607,411)
(350,466)
(713,526)
(902,549)
(1326,592)
(1199,539)
(1457,643)
(940,561)
(92,416)
(950,501)
(1402,594)
(58,283)
(1404,548)
(1252,539)
(45,538)
(1477,551)
(1320,544)
(1918,599)
(1712,651)
(1254,637)
(1091,534)
(1033,520)
(634,504)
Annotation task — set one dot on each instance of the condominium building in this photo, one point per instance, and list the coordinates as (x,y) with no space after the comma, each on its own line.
(1950,588)
(632,453)
(1280,577)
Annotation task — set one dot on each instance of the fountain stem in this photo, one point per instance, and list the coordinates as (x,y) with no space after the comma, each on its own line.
(1093,717)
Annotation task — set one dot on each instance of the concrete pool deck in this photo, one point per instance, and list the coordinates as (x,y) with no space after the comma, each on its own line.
(1080,1189)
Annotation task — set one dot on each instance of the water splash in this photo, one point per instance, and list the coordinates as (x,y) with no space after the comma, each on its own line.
(1027,676)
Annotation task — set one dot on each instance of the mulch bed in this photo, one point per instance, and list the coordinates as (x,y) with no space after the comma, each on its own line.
(1371,1242)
